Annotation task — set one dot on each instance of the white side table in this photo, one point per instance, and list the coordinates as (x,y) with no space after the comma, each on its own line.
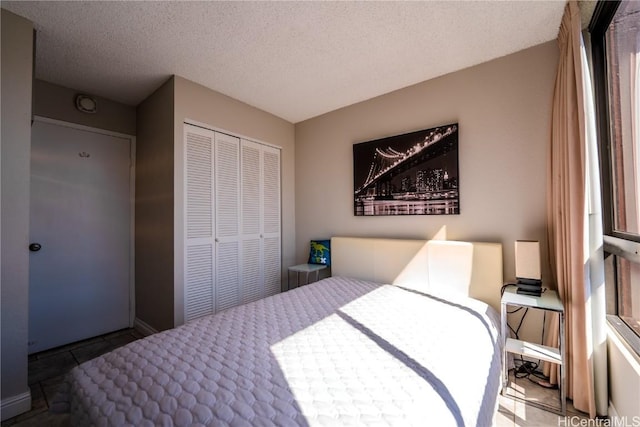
(304,268)
(549,301)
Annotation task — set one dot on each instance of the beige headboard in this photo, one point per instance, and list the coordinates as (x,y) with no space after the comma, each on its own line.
(439,266)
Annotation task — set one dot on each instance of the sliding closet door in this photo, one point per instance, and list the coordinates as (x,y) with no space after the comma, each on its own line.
(227,220)
(199,221)
(271,220)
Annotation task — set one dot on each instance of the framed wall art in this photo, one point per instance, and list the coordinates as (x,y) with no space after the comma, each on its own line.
(410,174)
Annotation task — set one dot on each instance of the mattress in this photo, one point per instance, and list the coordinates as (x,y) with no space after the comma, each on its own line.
(336,352)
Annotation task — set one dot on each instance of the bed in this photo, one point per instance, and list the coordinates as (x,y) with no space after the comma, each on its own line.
(393,338)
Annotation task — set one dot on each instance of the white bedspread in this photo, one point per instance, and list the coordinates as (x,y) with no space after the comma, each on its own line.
(336,352)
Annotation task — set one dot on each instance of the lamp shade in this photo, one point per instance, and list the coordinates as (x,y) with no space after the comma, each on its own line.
(528,259)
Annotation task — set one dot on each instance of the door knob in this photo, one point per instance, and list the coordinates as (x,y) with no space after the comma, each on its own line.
(35,247)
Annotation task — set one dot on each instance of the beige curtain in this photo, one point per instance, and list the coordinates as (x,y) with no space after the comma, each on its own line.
(574,225)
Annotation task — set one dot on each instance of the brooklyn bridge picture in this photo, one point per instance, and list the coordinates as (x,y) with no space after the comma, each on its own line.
(411,174)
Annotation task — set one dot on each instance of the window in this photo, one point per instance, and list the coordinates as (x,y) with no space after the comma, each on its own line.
(623,69)
(615,36)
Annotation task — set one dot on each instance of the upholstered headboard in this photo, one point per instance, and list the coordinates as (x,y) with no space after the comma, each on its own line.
(438,266)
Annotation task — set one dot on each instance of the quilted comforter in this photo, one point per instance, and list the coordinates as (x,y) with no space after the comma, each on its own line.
(337,352)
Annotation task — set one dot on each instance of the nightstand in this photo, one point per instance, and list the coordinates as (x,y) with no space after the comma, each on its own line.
(304,268)
(549,301)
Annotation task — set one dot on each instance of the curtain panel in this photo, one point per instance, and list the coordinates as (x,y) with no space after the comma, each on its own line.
(574,224)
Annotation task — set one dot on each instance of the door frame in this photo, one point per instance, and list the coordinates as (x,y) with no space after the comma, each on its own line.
(132,196)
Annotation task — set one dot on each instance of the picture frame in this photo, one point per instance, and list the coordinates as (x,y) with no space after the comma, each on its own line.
(410,174)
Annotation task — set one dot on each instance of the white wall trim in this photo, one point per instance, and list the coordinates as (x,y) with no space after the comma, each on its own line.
(15,405)
(143,327)
(132,230)
(82,127)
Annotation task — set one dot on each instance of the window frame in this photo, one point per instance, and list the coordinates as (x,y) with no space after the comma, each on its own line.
(616,243)
(600,21)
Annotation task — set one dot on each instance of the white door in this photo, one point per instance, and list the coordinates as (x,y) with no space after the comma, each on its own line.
(80,220)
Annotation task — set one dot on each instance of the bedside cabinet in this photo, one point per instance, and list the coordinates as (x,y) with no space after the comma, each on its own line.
(306,269)
(548,301)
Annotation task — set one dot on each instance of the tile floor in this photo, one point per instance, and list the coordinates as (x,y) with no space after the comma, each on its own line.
(47,369)
(517,407)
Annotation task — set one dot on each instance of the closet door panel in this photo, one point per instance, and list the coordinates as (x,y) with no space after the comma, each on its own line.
(272,266)
(252,282)
(227,219)
(271,221)
(271,191)
(251,170)
(251,194)
(199,295)
(227,275)
(199,223)
(227,188)
(199,186)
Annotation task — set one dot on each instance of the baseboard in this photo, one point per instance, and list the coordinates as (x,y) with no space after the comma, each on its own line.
(15,405)
(613,414)
(143,327)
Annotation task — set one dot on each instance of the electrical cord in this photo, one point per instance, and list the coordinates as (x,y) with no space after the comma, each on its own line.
(505,287)
(527,368)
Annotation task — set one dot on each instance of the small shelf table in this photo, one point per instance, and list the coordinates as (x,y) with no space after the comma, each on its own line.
(304,268)
(549,301)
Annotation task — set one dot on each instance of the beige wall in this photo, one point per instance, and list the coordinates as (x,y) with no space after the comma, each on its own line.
(196,102)
(58,102)
(154,209)
(17,62)
(503,108)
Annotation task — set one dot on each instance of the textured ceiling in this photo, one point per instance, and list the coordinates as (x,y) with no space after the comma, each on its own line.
(295,60)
